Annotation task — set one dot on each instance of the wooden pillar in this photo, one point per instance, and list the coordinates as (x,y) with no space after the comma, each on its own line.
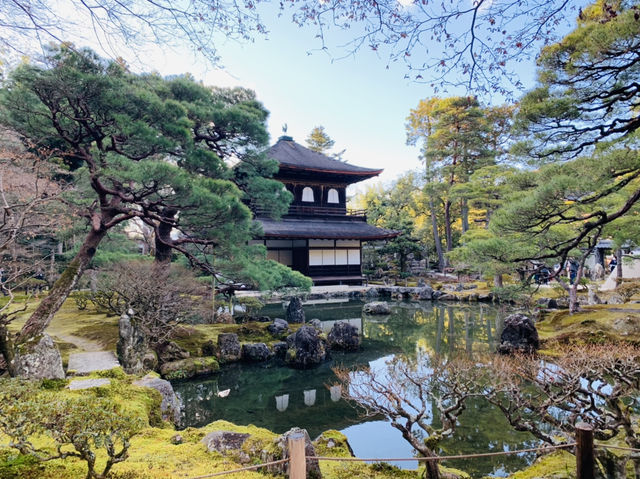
(297,456)
(584,451)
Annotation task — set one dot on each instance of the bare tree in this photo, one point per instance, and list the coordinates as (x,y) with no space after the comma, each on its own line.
(410,393)
(30,208)
(477,44)
(596,384)
(162,297)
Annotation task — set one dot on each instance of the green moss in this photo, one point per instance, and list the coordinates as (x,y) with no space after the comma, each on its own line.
(332,443)
(452,472)
(53,384)
(558,465)
(190,367)
(592,325)
(115,373)
(18,466)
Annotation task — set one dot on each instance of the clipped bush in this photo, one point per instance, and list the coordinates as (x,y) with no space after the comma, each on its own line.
(82,427)
(82,299)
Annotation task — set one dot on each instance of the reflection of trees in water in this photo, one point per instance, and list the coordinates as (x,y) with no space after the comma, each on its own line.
(427,326)
(438,327)
(483,429)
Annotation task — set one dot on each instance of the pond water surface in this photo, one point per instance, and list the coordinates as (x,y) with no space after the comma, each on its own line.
(278,398)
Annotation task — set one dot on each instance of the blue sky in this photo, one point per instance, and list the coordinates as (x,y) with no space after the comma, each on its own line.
(361,103)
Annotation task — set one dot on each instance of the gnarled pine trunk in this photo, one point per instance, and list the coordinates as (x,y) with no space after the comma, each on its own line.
(49,306)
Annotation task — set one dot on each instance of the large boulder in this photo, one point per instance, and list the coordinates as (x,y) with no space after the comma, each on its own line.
(344,336)
(229,347)
(295,313)
(519,335)
(377,307)
(425,293)
(256,352)
(228,443)
(278,327)
(313,466)
(372,293)
(305,348)
(170,405)
(132,349)
(316,323)
(170,351)
(189,368)
(280,349)
(38,358)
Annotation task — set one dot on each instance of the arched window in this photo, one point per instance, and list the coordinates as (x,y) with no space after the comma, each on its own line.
(332,196)
(307,195)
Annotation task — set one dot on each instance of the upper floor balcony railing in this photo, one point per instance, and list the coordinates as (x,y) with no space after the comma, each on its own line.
(304,210)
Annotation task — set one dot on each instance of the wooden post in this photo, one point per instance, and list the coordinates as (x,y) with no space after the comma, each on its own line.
(584,451)
(297,456)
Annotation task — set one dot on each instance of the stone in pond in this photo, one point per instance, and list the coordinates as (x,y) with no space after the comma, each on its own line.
(519,335)
(278,327)
(305,348)
(377,307)
(229,347)
(344,336)
(256,352)
(295,313)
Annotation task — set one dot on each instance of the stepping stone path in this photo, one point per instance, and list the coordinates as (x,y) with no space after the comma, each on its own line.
(77,384)
(85,363)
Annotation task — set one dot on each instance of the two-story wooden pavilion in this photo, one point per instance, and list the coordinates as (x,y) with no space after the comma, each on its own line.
(319,236)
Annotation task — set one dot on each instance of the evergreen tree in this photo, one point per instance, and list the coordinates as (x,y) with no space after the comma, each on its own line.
(135,147)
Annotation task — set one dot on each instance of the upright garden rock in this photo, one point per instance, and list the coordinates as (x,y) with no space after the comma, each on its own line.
(519,335)
(295,313)
(425,293)
(344,336)
(305,348)
(377,307)
(133,345)
(229,347)
(38,358)
(170,405)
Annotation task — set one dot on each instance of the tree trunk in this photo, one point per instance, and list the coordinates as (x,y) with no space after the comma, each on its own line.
(163,239)
(464,211)
(497,280)
(573,298)
(431,467)
(49,306)
(447,225)
(619,267)
(6,348)
(436,234)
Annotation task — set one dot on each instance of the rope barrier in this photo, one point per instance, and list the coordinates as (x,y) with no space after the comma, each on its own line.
(418,459)
(242,469)
(443,458)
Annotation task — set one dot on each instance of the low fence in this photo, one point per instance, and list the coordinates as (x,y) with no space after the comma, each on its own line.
(297,460)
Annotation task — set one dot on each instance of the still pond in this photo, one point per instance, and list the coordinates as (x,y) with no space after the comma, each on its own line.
(278,398)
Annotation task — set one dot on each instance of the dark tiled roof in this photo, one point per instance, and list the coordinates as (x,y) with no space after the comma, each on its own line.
(292,155)
(323,229)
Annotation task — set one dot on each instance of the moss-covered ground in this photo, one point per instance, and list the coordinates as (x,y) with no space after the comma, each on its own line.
(592,324)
